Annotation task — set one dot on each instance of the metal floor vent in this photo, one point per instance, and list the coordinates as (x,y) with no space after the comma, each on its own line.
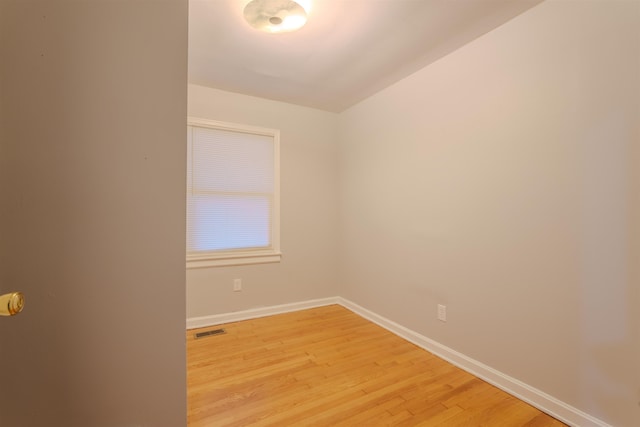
(210,333)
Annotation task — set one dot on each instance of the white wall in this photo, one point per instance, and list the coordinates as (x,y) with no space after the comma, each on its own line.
(501,181)
(92,165)
(309,209)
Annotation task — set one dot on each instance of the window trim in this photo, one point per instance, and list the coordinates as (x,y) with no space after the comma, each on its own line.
(244,256)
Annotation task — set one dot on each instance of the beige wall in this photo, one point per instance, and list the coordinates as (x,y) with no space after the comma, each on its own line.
(309,209)
(500,181)
(92,166)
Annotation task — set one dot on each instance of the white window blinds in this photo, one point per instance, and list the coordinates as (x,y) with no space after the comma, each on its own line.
(232,200)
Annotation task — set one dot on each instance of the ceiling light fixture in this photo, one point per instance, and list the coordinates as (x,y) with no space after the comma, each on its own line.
(277,16)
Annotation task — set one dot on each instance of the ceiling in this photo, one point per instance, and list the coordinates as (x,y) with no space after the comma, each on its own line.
(347,51)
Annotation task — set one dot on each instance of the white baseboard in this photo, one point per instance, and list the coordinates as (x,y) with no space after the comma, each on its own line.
(537,398)
(218,319)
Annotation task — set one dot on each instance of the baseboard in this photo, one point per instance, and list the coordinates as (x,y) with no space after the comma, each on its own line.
(218,319)
(537,398)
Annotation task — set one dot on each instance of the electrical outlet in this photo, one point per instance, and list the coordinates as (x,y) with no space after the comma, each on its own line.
(442,312)
(237,285)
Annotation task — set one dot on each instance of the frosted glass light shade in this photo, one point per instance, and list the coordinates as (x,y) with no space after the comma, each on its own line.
(275,16)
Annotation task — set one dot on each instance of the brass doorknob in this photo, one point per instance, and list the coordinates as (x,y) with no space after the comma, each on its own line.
(11,303)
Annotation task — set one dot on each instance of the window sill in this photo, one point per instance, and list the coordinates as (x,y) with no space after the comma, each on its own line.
(228,259)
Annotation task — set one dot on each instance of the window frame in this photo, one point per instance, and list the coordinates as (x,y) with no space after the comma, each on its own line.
(242,256)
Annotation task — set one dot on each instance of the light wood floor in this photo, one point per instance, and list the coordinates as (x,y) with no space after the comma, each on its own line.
(329,367)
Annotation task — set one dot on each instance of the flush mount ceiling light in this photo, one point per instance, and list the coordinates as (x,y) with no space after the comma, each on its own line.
(276,16)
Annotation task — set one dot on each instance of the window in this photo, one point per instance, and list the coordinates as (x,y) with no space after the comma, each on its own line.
(232,194)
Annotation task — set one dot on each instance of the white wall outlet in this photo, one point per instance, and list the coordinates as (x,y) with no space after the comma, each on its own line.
(237,285)
(442,312)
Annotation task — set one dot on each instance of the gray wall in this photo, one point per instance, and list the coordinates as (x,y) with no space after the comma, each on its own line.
(502,181)
(309,209)
(92,190)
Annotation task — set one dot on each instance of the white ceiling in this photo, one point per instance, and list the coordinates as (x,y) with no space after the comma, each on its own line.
(347,51)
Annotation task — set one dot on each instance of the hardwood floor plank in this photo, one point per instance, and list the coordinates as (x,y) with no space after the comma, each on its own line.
(329,367)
